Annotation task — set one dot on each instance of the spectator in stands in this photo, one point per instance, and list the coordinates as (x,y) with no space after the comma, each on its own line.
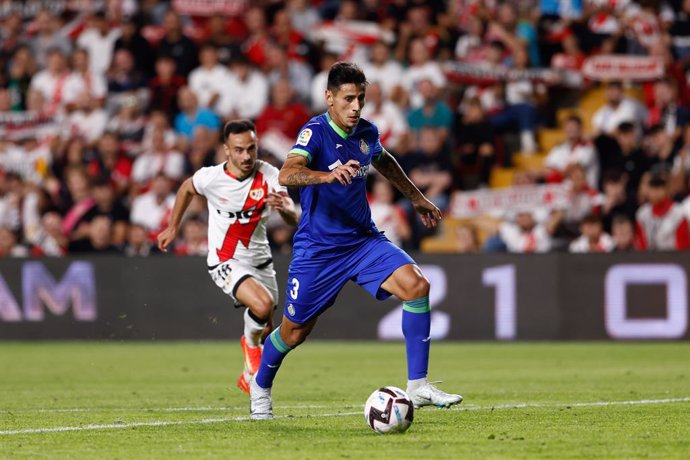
(131,40)
(320,81)
(471,46)
(157,159)
(279,66)
(466,239)
(177,45)
(202,150)
(245,94)
(623,233)
(152,209)
(98,239)
(138,243)
(525,235)
(515,34)
(49,239)
(388,217)
(22,68)
(616,201)
(621,152)
(9,244)
(208,81)
(78,204)
(123,76)
(258,39)
(83,79)
(191,115)
(109,163)
(10,200)
(433,112)
(388,118)
(660,149)
(661,224)
(281,120)
(108,204)
(49,36)
(475,151)
(421,67)
(88,120)
(574,150)
(383,70)
(592,238)
(227,46)
(618,109)
(429,167)
(129,124)
(51,81)
(193,242)
(583,200)
(290,39)
(99,40)
(666,111)
(680,172)
(164,87)
(303,15)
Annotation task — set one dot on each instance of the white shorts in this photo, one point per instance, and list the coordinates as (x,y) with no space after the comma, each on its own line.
(229,275)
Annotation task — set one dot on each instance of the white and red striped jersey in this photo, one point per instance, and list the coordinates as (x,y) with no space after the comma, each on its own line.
(517,240)
(662,227)
(566,154)
(582,244)
(237,212)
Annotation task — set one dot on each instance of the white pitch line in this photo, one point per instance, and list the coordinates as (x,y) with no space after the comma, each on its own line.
(171,409)
(337,414)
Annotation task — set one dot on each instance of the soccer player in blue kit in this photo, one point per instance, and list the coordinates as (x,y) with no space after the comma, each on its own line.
(337,241)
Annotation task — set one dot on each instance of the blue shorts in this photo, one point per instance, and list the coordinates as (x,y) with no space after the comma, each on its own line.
(316,277)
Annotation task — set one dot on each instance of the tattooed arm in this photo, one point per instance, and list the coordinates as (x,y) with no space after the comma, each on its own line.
(391,170)
(296,173)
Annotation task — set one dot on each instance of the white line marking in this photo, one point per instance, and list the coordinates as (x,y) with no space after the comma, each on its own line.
(207,421)
(170,409)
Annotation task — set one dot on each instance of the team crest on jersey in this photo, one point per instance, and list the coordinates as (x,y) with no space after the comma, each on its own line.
(364,147)
(304,137)
(256,194)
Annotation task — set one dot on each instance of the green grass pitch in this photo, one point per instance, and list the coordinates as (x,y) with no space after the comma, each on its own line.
(178,400)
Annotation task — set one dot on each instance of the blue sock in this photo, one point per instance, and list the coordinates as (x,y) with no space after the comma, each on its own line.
(275,349)
(416,326)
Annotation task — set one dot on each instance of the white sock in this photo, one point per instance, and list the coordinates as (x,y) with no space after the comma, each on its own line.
(414,384)
(252,329)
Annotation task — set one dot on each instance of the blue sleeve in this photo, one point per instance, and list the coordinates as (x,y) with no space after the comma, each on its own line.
(308,142)
(378,148)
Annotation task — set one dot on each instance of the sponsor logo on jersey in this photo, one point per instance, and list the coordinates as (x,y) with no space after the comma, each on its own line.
(256,194)
(304,136)
(332,166)
(364,147)
(337,146)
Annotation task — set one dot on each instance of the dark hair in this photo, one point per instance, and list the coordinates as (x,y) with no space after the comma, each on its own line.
(342,73)
(620,219)
(237,127)
(626,127)
(591,219)
(657,181)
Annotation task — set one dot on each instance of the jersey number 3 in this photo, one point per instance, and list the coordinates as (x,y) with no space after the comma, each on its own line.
(295,288)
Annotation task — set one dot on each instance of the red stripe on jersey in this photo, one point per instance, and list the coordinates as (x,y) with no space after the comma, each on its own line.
(243,232)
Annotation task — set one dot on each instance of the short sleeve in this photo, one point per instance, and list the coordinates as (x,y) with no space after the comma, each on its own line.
(271,173)
(201,179)
(377,149)
(308,142)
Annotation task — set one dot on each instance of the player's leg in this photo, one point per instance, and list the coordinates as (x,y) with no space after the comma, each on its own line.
(279,343)
(257,318)
(408,283)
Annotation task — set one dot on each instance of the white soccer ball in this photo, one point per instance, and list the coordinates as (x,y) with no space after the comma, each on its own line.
(389,410)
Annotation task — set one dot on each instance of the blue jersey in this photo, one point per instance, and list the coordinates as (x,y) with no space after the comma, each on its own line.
(333,214)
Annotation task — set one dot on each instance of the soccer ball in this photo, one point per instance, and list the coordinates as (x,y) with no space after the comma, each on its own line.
(389,410)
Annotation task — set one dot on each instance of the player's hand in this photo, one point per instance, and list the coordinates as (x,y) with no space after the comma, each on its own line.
(278,201)
(166,238)
(344,173)
(428,211)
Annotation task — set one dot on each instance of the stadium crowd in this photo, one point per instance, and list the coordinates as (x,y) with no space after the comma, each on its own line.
(106,106)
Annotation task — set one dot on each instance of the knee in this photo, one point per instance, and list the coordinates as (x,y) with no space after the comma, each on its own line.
(263,308)
(417,286)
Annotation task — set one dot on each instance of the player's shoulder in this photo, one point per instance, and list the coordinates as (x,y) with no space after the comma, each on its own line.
(367,128)
(210,170)
(315,124)
(267,169)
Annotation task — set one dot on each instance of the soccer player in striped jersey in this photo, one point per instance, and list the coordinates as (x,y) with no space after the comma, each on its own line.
(240,193)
